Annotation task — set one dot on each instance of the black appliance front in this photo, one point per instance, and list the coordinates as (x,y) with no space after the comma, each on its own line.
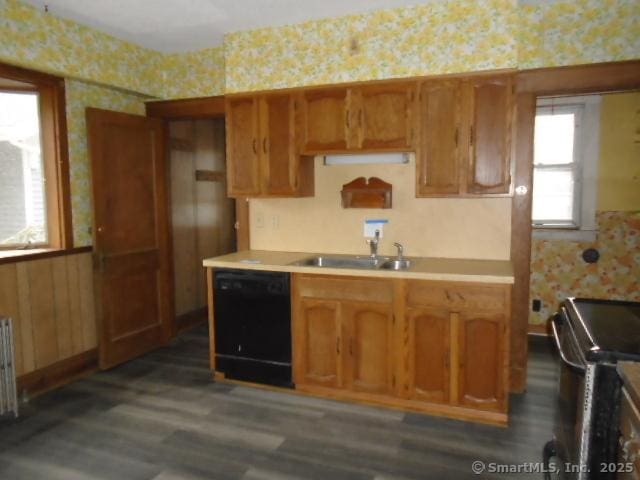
(587,415)
(253,326)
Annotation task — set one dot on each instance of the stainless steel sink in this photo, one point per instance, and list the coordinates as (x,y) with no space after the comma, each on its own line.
(396,265)
(346,261)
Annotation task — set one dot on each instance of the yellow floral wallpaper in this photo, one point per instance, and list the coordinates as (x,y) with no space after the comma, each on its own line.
(577,32)
(434,38)
(558,270)
(79,96)
(193,74)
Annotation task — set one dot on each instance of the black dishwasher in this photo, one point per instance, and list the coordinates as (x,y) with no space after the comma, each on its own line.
(253,326)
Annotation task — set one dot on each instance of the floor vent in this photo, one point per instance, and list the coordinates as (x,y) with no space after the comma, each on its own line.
(8,394)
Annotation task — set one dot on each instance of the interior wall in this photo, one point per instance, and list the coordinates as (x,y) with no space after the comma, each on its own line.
(430,227)
(202,215)
(51,303)
(557,267)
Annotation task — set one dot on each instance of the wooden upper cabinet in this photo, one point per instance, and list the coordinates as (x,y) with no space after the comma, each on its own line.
(482,360)
(384,116)
(277,145)
(438,156)
(324,121)
(428,354)
(318,343)
(369,329)
(243,167)
(490,104)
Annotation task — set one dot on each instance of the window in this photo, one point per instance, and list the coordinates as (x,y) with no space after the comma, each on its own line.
(565,162)
(22,200)
(34,182)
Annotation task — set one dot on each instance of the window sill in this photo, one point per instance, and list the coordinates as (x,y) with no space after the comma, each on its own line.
(566,234)
(15,256)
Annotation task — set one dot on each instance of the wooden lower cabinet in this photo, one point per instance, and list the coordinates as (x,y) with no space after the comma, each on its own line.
(435,347)
(429,352)
(369,335)
(481,360)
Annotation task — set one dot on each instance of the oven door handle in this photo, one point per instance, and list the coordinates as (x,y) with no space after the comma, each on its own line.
(572,365)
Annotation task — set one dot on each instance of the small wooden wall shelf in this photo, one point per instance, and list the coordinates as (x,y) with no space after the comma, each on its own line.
(360,193)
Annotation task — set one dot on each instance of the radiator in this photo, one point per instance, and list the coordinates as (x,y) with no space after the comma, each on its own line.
(8,394)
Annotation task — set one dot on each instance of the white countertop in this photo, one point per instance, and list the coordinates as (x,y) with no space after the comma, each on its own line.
(422,268)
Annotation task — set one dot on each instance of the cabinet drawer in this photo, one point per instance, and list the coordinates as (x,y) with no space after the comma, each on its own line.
(457,296)
(629,446)
(347,288)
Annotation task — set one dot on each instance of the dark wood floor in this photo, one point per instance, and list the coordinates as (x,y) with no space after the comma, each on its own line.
(162,417)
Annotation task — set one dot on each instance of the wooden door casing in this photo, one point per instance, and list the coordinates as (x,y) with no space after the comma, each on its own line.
(131,235)
(243,167)
(438,155)
(385,116)
(490,111)
(319,343)
(369,361)
(428,353)
(325,122)
(481,361)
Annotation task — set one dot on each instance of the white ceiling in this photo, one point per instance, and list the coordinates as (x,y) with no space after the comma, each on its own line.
(183,25)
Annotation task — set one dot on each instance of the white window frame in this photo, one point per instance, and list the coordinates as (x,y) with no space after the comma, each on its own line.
(586,154)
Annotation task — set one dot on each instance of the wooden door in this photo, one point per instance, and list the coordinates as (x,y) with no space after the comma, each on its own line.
(490,105)
(385,116)
(428,353)
(482,360)
(438,153)
(325,120)
(131,235)
(318,343)
(243,168)
(277,145)
(370,353)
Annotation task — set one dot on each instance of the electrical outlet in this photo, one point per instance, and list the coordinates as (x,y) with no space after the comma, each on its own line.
(275,222)
(536,305)
(260,220)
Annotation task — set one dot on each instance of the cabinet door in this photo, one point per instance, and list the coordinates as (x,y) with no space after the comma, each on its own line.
(243,169)
(385,116)
(491,108)
(318,343)
(369,363)
(482,360)
(428,354)
(325,120)
(277,145)
(438,152)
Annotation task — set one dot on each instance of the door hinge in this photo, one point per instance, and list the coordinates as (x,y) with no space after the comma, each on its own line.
(471,136)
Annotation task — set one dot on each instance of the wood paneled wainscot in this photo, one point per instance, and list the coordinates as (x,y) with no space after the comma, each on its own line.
(430,346)
(51,302)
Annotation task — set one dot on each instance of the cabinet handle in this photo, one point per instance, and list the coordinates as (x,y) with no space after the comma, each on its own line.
(255,148)
(351,347)
(455,135)
(264,144)
(338,345)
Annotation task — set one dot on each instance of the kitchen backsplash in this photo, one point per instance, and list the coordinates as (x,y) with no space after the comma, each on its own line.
(432,227)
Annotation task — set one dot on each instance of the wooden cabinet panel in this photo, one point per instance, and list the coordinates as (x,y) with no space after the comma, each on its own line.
(243,169)
(491,104)
(325,120)
(481,360)
(455,296)
(369,329)
(438,154)
(385,116)
(277,145)
(317,340)
(429,354)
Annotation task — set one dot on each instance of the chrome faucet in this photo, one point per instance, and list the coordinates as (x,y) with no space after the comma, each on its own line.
(400,248)
(373,245)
